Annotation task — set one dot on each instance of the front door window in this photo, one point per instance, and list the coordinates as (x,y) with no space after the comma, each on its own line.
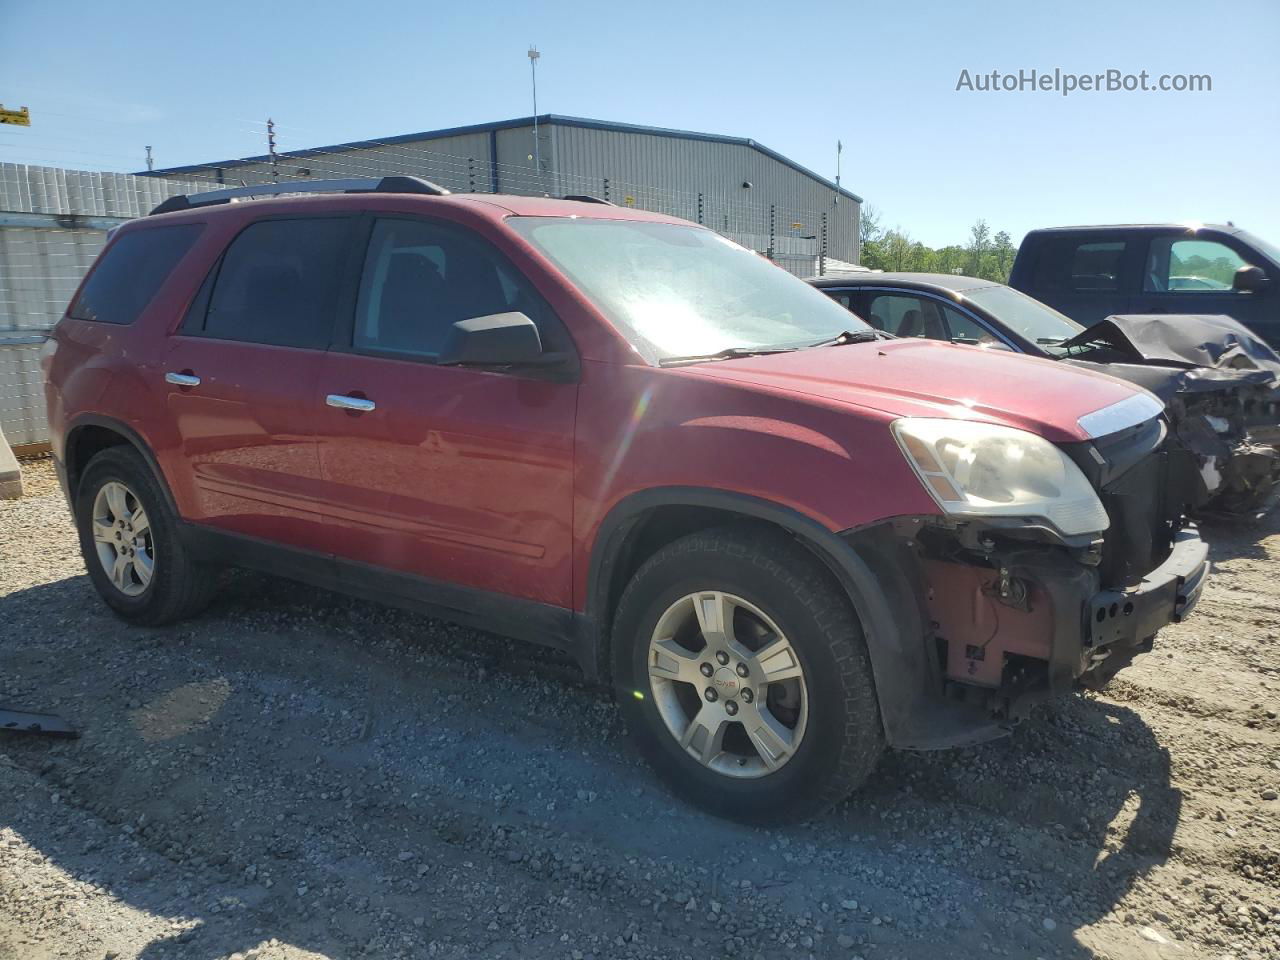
(1190,266)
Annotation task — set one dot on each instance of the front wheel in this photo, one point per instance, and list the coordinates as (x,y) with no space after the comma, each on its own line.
(744,677)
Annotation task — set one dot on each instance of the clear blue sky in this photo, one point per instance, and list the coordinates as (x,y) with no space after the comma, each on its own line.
(197,80)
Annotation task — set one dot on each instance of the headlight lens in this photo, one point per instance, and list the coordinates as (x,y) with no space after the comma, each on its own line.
(983,470)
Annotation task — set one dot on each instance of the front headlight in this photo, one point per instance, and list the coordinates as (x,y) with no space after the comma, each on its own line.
(983,470)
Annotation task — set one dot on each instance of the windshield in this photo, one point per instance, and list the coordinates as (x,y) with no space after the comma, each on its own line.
(1269,250)
(680,291)
(1029,318)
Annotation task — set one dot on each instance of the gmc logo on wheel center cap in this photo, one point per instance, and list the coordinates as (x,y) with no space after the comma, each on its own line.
(726,680)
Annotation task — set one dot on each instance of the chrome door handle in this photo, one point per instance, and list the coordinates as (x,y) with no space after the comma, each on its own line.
(343,402)
(182,379)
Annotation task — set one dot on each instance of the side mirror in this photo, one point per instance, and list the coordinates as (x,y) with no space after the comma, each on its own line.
(500,339)
(1249,279)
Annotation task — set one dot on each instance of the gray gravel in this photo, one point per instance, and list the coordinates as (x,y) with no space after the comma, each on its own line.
(296,774)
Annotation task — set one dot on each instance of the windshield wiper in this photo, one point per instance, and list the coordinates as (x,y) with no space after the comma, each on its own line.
(728,353)
(851,336)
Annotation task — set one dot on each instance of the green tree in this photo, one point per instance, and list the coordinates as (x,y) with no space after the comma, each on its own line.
(985,256)
(979,243)
(1004,253)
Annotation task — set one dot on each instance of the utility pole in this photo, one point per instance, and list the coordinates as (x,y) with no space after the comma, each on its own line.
(839,149)
(150,165)
(271,150)
(533,76)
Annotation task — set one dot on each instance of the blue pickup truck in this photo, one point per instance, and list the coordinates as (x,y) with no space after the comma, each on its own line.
(1091,273)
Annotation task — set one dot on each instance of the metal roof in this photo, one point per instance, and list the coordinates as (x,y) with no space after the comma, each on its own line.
(1084,228)
(543,119)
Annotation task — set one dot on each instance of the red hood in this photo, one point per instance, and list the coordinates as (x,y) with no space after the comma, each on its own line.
(926,378)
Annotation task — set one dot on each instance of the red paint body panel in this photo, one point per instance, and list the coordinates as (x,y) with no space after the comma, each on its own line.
(501,481)
(913,377)
(247,460)
(459,475)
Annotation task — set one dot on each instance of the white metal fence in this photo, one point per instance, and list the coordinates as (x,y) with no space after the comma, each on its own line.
(53,222)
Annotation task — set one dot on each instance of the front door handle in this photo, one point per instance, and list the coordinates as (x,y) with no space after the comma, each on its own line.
(343,402)
(182,379)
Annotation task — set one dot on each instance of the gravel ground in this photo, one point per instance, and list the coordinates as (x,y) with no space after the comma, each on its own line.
(296,774)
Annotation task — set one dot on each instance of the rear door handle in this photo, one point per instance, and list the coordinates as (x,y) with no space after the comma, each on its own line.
(343,402)
(182,379)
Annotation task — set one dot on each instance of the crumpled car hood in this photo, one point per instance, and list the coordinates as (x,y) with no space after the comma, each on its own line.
(1180,353)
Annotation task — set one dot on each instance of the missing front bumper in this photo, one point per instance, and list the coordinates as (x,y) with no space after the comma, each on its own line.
(1122,623)
(1009,649)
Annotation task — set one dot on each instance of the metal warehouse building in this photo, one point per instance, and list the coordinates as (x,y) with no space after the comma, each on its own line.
(734,185)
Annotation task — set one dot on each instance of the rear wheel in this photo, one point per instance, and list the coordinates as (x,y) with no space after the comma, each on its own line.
(744,676)
(129,538)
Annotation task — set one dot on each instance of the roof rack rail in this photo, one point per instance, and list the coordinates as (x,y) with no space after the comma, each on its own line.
(397,184)
(586,198)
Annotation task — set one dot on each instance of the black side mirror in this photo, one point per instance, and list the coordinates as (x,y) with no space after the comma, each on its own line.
(1249,279)
(500,339)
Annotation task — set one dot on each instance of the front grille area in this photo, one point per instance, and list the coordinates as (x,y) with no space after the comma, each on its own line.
(1140,534)
(1135,477)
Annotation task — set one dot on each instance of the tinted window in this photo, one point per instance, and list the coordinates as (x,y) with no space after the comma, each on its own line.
(1096,266)
(130,271)
(905,315)
(278,283)
(420,278)
(1190,266)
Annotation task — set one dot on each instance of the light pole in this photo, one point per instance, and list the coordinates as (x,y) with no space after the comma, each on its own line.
(533,76)
(839,150)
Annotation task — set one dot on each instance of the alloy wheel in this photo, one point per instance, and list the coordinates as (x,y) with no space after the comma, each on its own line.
(728,684)
(122,538)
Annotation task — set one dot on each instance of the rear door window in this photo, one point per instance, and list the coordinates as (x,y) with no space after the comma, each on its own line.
(278,283)
(1096,266)
(131,271)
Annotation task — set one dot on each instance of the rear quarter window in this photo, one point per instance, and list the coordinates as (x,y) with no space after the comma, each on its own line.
(130,271)
(1072,264)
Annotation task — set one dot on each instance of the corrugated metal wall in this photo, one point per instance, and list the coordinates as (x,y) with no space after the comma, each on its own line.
(700,180)
(53,222)
(458,163)
(686,168)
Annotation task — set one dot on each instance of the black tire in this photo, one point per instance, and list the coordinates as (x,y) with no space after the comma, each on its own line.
(180,585)
(843,737)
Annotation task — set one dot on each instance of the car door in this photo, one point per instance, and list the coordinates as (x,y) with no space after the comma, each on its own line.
(241,375)
(454,474)
(1193,273)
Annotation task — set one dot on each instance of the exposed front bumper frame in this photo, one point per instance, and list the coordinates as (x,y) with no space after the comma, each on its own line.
(925,710)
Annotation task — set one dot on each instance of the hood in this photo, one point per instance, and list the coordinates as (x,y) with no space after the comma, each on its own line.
(927,378)
(1216,348)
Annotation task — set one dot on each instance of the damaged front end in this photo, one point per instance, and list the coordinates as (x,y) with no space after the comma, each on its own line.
(1012,611)
(1221,387)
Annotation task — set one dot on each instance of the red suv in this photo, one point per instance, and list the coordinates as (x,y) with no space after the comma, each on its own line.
(785,539)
